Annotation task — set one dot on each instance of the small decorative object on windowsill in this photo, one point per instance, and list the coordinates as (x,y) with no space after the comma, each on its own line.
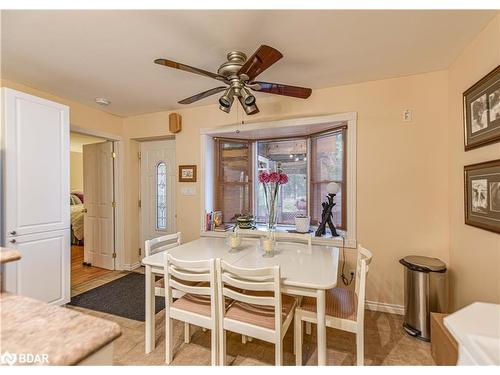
(326,217)
(302,223)
(245,222)
(271,183)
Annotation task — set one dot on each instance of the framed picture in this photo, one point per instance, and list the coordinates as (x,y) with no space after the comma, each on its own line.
(482,195)
(482,111)
(187,173)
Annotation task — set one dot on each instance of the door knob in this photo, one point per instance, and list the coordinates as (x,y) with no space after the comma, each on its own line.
(84,210)
(12,241)
(13,232)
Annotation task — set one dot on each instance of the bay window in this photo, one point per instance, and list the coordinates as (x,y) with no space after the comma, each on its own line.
(311,162)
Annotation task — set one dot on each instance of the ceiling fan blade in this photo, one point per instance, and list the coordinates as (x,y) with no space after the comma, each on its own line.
(202,95)
(262,59)
(190,69)
(280,89)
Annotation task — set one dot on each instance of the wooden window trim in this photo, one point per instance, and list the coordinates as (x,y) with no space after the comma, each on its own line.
(342,129)
(219,189)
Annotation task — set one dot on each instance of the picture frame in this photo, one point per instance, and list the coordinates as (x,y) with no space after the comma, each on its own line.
(482,195)
(481,107)
(187,173)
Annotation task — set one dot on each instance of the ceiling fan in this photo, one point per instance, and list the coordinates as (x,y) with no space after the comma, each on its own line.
(238,74)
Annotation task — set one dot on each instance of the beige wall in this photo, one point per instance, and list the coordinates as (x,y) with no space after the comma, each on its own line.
(474,252)
(402,167)
(76,171)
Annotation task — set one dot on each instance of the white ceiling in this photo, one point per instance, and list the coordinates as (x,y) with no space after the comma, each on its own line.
(81,55)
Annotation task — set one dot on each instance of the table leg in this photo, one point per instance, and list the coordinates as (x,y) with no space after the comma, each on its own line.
(150,310)
(321,327)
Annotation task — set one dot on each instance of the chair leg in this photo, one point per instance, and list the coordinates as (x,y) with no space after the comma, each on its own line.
(222,347)
(213,339)
(360,348)
(187,333)
(297,336)
(243,339)
(169,341)
(278,353)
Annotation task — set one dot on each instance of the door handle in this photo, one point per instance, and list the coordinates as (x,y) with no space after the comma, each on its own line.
(12,241)
(84,210)
(13,233)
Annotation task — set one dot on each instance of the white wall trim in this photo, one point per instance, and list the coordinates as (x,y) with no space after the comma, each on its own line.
(95,133)
(385,307)
(131,267)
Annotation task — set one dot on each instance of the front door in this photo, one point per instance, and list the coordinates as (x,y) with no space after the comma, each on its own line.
(157,189)
(98,224)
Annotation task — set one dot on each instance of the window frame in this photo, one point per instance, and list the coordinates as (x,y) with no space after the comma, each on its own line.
(337,129)
(220,183)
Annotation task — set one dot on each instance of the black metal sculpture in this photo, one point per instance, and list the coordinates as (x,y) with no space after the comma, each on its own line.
(326,217)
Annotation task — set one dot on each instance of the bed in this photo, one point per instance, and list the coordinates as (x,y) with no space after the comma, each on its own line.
(76,205)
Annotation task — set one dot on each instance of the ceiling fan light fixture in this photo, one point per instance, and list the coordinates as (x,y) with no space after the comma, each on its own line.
(249,109)
(248,98)
(227,99)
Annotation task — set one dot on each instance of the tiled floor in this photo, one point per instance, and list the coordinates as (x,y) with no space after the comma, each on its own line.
(385,344)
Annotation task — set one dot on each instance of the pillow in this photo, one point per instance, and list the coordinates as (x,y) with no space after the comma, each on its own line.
(79,194)
(74,200)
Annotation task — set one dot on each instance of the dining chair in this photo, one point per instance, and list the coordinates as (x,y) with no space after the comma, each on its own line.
(198,305)
(345,309)
(304,238)
(157,245)
(258,308)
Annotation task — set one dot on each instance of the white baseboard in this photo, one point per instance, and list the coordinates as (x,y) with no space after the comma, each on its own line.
(385,307)
(131,267)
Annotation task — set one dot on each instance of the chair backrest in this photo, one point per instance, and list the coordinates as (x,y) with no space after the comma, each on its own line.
(362,265)
(180,275)
(265,282)
(162,243)
(304,238)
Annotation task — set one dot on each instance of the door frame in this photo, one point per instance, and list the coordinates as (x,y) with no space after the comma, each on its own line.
(119,165)
(141,211)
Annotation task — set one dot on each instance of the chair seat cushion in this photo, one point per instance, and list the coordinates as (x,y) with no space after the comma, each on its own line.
(196,304)
(262,316)
(340,303)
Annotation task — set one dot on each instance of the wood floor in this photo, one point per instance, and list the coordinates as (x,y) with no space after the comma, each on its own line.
(83,277)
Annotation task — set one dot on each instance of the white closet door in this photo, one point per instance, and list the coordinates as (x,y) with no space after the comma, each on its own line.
(98,225)
(36,140)
(43,272)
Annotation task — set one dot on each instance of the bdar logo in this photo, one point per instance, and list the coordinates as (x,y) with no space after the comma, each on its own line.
(8,358)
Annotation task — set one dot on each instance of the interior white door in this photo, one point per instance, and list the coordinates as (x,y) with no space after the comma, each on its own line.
(36,220)
(36,136)
(157,189)
(98,189)
(43,272)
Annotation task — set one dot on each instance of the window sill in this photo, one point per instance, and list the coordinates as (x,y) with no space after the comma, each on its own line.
(326,240)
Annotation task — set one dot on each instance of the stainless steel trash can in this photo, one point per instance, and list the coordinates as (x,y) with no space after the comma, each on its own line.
(426,291)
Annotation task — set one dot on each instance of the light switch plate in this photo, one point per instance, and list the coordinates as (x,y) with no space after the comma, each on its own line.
(407,115)
(188,190)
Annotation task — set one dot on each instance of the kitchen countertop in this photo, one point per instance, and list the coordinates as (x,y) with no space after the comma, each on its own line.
(65,336)
(8,255)
(477,330)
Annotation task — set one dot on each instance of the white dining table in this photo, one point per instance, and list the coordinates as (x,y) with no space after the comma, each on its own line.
(304,272)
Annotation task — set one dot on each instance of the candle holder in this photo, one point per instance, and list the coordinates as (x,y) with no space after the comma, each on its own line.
(268,244)
(233,240)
